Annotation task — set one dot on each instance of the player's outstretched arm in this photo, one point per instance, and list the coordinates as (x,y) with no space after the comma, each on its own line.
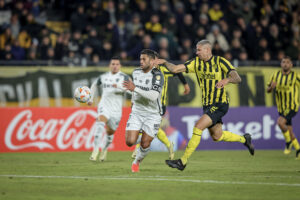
(172,67)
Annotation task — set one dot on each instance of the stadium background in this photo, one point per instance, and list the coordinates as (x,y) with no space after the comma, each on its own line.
(48,48)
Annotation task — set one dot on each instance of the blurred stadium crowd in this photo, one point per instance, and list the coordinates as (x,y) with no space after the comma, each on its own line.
(99,29)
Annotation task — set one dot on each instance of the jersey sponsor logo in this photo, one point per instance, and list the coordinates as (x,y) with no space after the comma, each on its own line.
(107,85)
(142,87)
(283,87)
(207,76)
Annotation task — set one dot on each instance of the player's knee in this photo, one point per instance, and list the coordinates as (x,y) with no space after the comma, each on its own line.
(216,138)
(129,143)
(280,122)
(145,145)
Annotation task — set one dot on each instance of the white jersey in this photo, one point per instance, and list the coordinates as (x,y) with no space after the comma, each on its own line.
(152,80)
(112,98)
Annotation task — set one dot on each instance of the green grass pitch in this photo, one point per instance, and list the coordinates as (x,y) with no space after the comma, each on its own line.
(208,175)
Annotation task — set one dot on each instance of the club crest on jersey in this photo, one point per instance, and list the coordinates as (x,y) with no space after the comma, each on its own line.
(117,80)
(147,81)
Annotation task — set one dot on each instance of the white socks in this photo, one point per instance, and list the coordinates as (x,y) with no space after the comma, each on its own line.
(141,154)
(139,139)
(109,139)
(99,131)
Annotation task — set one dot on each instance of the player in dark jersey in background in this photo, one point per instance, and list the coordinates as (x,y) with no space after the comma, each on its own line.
(213,73)
(285,82)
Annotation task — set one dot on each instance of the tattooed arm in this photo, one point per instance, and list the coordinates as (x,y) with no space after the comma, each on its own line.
(172,67)
(233,77)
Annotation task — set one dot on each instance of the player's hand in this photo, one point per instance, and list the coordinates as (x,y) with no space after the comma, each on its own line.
(114,85)
(129,85)
(159,61)
(187,89)
(89,103)
(273,85)
(222,83)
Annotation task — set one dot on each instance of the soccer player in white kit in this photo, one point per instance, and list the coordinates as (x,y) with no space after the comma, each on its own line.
(146,106)
(109,107)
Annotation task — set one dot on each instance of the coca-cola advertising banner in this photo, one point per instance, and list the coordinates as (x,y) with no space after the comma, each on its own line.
(53,129)
(72,129)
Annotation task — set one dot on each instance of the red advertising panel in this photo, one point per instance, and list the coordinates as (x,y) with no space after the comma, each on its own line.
(54,129)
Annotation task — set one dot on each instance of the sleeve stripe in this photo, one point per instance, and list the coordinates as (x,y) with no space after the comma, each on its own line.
(188,63)
(228,63)
(225,64)
(186,69)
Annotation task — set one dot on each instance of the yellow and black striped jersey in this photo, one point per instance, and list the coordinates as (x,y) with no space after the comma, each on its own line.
(166,73)
(208,74)
(286,91)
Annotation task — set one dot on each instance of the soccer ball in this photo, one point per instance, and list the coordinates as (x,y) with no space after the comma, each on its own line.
(82,94)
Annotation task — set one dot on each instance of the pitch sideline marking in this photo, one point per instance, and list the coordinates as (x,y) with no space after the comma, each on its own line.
(155,179)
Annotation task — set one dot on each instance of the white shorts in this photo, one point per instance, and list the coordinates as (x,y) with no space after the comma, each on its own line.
(149,123)
(113,118)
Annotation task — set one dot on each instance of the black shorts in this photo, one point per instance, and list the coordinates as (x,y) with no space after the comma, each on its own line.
(216,112)
(288,117)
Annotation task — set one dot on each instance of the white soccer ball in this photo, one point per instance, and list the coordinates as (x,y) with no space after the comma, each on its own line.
(82,94)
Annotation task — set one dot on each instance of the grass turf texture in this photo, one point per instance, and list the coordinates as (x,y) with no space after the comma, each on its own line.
(208,175)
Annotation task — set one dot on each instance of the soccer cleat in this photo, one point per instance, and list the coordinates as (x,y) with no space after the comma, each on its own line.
(135,167)
(288,148)
(171,151)
(249,144)
(176,164)
(133,155)
(94,155)
(298,154)
(103,155)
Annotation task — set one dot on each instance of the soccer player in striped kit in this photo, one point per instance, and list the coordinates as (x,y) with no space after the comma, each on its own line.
(285,82)
(213,73)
